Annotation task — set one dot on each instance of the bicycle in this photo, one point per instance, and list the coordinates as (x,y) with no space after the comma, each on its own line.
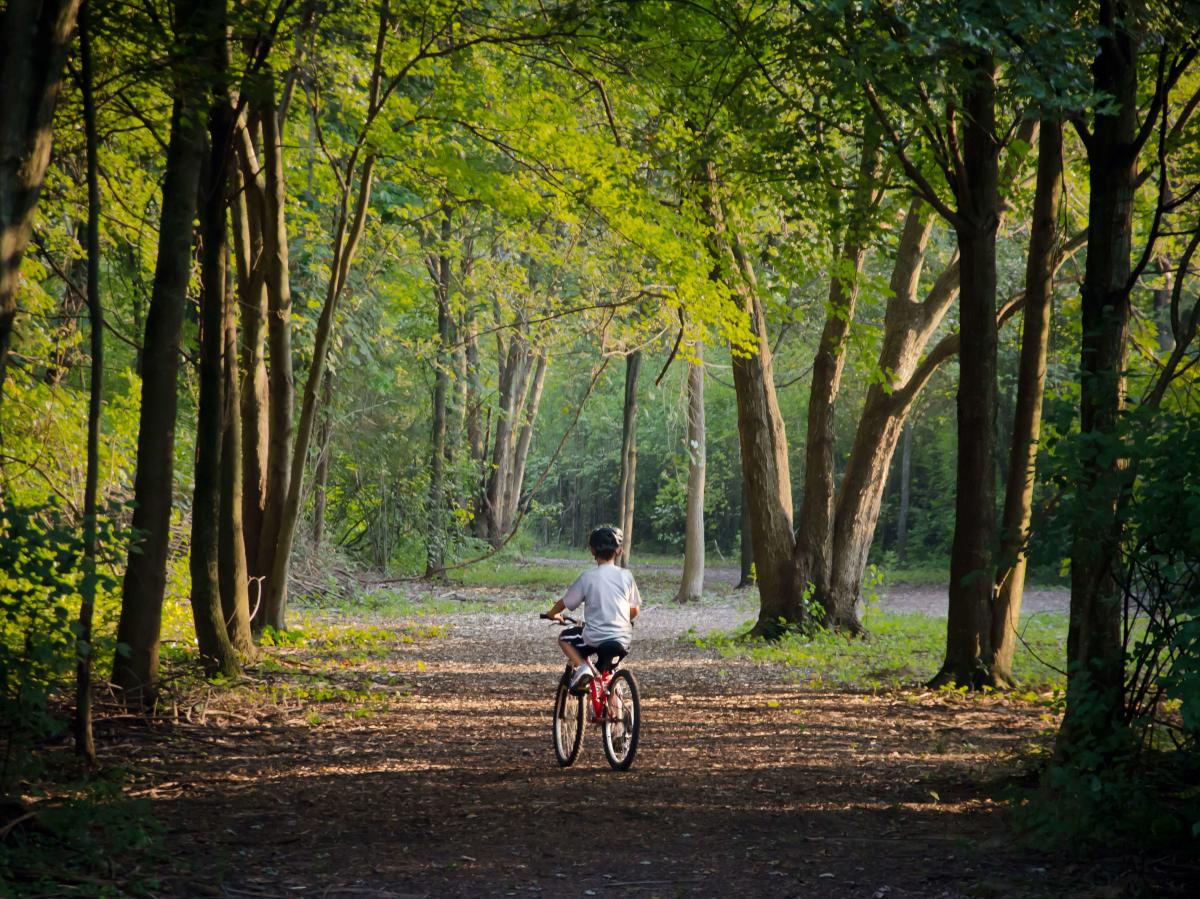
(612,703)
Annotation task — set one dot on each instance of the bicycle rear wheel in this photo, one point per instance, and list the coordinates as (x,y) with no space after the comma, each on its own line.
(623,720)
(568,724)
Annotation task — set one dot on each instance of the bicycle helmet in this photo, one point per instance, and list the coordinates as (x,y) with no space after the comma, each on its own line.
(606,539)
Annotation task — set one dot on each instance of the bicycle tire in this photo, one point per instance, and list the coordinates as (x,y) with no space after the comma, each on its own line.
(567,726)
(621,736)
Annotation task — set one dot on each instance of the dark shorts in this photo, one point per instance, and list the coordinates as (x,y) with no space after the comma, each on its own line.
(574,637)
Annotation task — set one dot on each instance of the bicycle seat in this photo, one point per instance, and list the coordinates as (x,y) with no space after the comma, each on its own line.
(609,654)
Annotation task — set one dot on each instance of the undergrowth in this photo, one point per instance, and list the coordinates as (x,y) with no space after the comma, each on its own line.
(901,649)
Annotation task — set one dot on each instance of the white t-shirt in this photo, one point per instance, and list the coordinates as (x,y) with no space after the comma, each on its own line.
(607,593)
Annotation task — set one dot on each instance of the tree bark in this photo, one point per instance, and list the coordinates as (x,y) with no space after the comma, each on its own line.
(529,418)
(281,385)
(513,366)
(814,538)
(234,574)
(1027,418)
(968,625)
(748,577)
(691,588)
(439,269)
(84,743)
(628,485)
(135,667)
(248,217)
(905,492)
(346,241)
(34,38)
(909,322)
(321,474)
(216,650)
(1095,660)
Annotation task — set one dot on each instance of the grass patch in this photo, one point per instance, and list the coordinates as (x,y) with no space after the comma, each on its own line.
(902,649)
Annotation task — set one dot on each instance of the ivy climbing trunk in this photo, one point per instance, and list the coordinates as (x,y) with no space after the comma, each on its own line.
(1027,417)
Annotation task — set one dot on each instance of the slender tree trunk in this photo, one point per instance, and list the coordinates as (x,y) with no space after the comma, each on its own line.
(1027,419)
(234,574)
(691,588)
(814,538)
(281,383)
(346,241)
(1095,659)
(909,322)
(521,456)
(475,426)
(84,743)
(905,492)
(627,488)
(968,625)
(439,269)
(34,38)
(321,475)
(135,669)
(216,650)
(748,577)
(512,365)
(248,218)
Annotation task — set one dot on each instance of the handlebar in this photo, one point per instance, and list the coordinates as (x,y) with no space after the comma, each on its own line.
(561,620)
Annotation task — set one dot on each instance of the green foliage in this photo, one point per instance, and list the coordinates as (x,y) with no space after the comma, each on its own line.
(901,650)
(41,575)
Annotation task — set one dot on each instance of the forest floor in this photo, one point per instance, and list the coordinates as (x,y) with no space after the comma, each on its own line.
(406,752)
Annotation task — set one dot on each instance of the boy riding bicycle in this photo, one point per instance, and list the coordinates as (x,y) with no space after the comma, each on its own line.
(610,600)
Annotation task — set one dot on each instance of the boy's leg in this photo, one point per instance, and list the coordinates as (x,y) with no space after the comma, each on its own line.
(571,653)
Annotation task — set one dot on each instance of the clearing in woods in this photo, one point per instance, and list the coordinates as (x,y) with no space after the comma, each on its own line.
(412,757)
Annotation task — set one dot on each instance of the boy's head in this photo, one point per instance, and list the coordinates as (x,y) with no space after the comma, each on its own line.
(605,543)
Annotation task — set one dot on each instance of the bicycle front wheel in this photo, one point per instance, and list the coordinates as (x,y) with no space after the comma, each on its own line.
(623,720)
(568,725)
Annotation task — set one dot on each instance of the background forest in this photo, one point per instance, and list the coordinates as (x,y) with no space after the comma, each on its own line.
(301,298)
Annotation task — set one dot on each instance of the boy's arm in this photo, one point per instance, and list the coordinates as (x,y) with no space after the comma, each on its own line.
(556,609)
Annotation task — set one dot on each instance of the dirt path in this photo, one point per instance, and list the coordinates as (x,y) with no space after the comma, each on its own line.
(744,785)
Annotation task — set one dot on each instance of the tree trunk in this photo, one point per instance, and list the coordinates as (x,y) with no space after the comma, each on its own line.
(905,492)
(248,218)
(766,479)
(135,669)
(34,39)
(521,456)
(746,539)
(628,485)
(435,547)
(968,625)
(691,588)
(321,474)
(814,538)
(216,651)
(234,575)
(281,385)
(909,322)
(475,427)
(1095,660)
(349,234)
(84,743)
(513,366)
(1027,418)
